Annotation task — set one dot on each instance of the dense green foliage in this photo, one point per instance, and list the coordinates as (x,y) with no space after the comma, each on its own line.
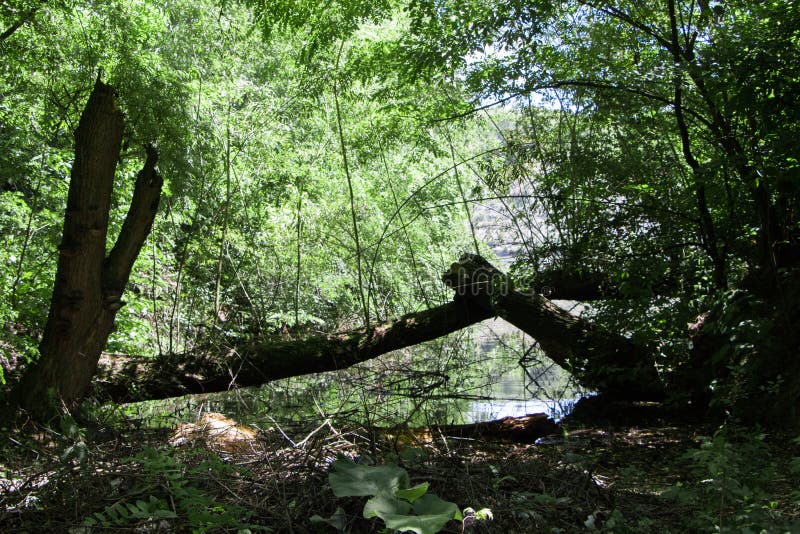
(653,148)
(325,162)
(256,228)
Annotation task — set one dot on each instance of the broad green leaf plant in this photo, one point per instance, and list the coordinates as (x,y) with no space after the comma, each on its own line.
(402,507)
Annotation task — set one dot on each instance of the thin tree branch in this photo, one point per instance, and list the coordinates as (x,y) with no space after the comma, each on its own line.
(707,230)
(18,24)
(592,84)
(364,299)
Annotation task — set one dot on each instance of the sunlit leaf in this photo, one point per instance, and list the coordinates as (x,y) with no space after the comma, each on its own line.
(385,505)
(349,479)
(432,514)
(412,494)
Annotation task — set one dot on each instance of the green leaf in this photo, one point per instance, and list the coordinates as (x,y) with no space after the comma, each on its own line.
(102,519)
(385,505)
(112,513)
(122,511)
(412,494)
(433,505)
(432,514)
(337,520)
(352,480)
(163,514)
(794,465)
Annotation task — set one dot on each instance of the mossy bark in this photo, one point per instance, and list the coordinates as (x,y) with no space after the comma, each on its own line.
(129,378)
(599,360)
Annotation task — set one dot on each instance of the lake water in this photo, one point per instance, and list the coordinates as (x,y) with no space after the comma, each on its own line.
(486,372)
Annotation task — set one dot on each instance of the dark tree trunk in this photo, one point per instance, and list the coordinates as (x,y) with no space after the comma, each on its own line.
(124,379)
(603,361)
(88,286)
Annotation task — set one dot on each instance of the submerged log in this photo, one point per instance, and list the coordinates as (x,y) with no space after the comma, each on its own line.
(524,429)
(603,361)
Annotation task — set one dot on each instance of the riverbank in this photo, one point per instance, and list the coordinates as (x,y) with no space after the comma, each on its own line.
(614,478)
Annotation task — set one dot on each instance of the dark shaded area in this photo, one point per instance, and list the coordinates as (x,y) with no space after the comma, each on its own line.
(623,478)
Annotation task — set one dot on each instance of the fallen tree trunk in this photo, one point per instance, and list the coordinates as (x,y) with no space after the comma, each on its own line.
(603,361)
(125,378)
(585,286)
(599,360)
(523,429)
(562,284)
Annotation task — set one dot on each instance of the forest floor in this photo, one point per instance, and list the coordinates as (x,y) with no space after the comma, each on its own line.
(610,478)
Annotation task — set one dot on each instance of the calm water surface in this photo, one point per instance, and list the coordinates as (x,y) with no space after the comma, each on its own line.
(471,376)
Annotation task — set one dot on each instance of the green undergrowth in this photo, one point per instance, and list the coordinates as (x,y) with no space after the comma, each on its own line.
(172,489)
(399,505)
(613,479)
(738,485)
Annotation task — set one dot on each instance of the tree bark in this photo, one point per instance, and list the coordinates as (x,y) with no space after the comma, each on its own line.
(586,286)
(124,379)
(563,284)
(88,286)
(603,361)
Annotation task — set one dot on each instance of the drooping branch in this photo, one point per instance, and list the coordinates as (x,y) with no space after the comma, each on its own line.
(123,378)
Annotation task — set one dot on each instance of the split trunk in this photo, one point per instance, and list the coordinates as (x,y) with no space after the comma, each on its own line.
(89,285)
